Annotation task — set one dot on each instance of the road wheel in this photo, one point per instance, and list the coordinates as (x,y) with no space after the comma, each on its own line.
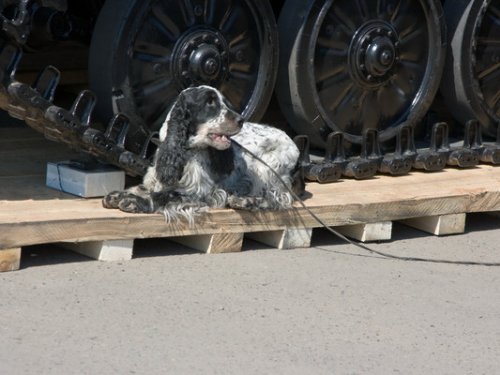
(471,82)
(144,52)
(351,65)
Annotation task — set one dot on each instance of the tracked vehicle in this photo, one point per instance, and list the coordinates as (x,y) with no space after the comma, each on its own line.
(355,77)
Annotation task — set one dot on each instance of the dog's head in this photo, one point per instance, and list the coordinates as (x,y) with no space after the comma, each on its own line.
(211,121)
(198,119)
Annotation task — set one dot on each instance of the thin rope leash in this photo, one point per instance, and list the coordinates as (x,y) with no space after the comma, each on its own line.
(359,245)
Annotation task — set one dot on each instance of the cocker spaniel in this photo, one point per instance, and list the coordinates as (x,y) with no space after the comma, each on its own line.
(205,160)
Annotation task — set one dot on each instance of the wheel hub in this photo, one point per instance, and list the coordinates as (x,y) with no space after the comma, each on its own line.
(205,62)
(380,56)
(201,57)
(374,53)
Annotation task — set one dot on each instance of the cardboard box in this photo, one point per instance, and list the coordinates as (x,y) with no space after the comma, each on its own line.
(73,178)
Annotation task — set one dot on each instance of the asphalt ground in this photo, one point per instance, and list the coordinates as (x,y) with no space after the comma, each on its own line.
(328,309)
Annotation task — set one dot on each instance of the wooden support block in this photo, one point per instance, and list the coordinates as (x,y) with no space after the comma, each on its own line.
(108,251)
(368,232)
(10,259)
(438,225)
(213,243)
(289,238)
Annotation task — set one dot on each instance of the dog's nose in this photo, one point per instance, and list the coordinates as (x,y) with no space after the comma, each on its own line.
(240,121)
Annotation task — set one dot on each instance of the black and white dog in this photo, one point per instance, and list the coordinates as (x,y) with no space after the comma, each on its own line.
(197,165)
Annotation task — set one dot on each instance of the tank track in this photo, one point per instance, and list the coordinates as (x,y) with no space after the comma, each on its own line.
(34,105)
(437,156)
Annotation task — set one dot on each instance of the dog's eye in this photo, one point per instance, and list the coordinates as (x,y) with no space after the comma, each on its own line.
(211,100)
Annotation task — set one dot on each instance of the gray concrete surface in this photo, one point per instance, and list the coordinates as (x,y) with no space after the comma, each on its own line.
(330,309)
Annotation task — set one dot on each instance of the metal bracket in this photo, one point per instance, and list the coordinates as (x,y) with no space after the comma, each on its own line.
(141,162)
(329,169)
(491,153)
(332,166)
(367,164)
(401,162)
(30,102)
(469,154)
(435,157)
(110,143)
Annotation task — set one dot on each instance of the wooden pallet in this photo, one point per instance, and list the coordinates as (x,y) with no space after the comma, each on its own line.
(31,213)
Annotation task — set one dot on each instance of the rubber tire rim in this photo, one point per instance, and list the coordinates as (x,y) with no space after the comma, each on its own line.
(471,82)
(301,22)
(115,72)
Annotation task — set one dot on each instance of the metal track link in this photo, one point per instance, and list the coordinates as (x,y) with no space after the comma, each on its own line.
(465,154)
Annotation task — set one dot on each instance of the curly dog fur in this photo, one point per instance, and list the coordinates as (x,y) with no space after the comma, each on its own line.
(197,166)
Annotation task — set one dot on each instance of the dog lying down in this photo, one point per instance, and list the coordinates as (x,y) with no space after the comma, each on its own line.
(198,166)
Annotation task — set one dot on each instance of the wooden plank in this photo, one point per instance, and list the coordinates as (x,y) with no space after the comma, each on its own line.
(107,251)
(368,232)
(213,243)
(438,225)
(288,238)
(10,259)
(29,214)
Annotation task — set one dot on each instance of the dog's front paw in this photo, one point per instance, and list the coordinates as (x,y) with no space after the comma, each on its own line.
(111,200)
(135,204)
(250,203)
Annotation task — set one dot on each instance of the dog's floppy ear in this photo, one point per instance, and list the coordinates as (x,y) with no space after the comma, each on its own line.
(173,152)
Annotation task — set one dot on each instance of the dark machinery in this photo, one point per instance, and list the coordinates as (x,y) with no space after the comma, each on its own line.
(357,78)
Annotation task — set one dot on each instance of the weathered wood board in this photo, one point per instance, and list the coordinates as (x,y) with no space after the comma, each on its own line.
(30,213)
